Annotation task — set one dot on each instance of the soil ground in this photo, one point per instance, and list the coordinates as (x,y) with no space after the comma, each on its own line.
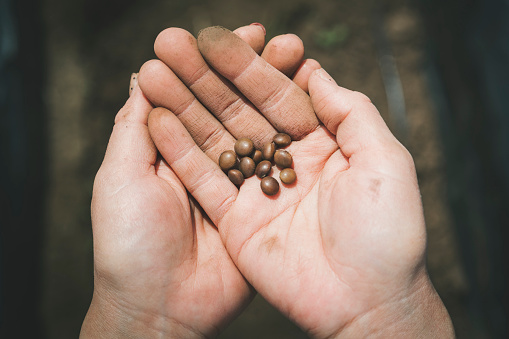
(92,47)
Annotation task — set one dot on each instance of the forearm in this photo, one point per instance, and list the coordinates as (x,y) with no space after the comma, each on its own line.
(420,314)
(104,320)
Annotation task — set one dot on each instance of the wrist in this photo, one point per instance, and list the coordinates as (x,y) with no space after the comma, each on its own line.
(104,319)
(418,313)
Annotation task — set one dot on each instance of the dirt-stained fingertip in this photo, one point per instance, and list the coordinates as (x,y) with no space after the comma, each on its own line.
(213,33)
(225,51)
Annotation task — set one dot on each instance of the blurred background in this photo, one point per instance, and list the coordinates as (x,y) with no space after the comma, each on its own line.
(437,71)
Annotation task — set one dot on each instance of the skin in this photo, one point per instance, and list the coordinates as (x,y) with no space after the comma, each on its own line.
(181,76)
(341,251)
(160,265)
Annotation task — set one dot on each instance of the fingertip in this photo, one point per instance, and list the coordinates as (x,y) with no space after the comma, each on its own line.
(211,35)
(158,82)
(253,35)
(133,83)
(330,106)
(304,72)
(260,26)
(155,116)
(169,38)
(148,72)
(285,53)
(287,42)
(160,38)
(137,106)
(320,75)
(225,51)
(321,85)
(309,64)
(178,50)
(290,42)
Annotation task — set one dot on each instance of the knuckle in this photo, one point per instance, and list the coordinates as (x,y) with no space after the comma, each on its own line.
(361,97)
(100,179)
(402,156)
(123,113)
(231,111)
(213,138)
(407,157)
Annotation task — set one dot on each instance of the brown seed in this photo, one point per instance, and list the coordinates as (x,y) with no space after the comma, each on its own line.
(228,160)
(263,169)
(283,158)
(282,140)
(287,176)
(244,147)
(257,156)
(247,167)
(236,177)
(268,151)
(269,186)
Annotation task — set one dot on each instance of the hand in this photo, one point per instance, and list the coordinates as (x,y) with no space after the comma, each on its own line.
(342,251)
(160,265)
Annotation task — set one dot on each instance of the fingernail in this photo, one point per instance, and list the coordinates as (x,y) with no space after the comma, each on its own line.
(133,83)
(259,25)
(324,75)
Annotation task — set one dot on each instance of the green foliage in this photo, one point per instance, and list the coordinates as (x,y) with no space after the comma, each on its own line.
(335,36)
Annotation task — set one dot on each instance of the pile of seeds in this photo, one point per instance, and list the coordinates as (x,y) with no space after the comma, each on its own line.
(245,161)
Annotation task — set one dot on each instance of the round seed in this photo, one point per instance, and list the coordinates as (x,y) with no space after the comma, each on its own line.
(268,151)
(244,147)
(257,156)
(269,185)
(247,167)
(287,176)
(228,160)
(283,158)
(236,177)
(263,169)
(282,140)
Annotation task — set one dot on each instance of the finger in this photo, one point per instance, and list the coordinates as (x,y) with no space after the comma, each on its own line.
(199,174)
(251,35)
(282,102)
(177,48)
(301,76)
(130,144)
(164,89)
(133,83)
(357,124)
(285,53)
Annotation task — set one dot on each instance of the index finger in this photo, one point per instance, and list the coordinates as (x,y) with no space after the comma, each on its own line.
(286,106)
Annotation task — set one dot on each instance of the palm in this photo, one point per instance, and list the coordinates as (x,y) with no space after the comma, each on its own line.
(171,255)
(314,248)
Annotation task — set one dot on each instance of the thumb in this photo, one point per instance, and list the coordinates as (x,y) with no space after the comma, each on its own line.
(350,115)
(130,146)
